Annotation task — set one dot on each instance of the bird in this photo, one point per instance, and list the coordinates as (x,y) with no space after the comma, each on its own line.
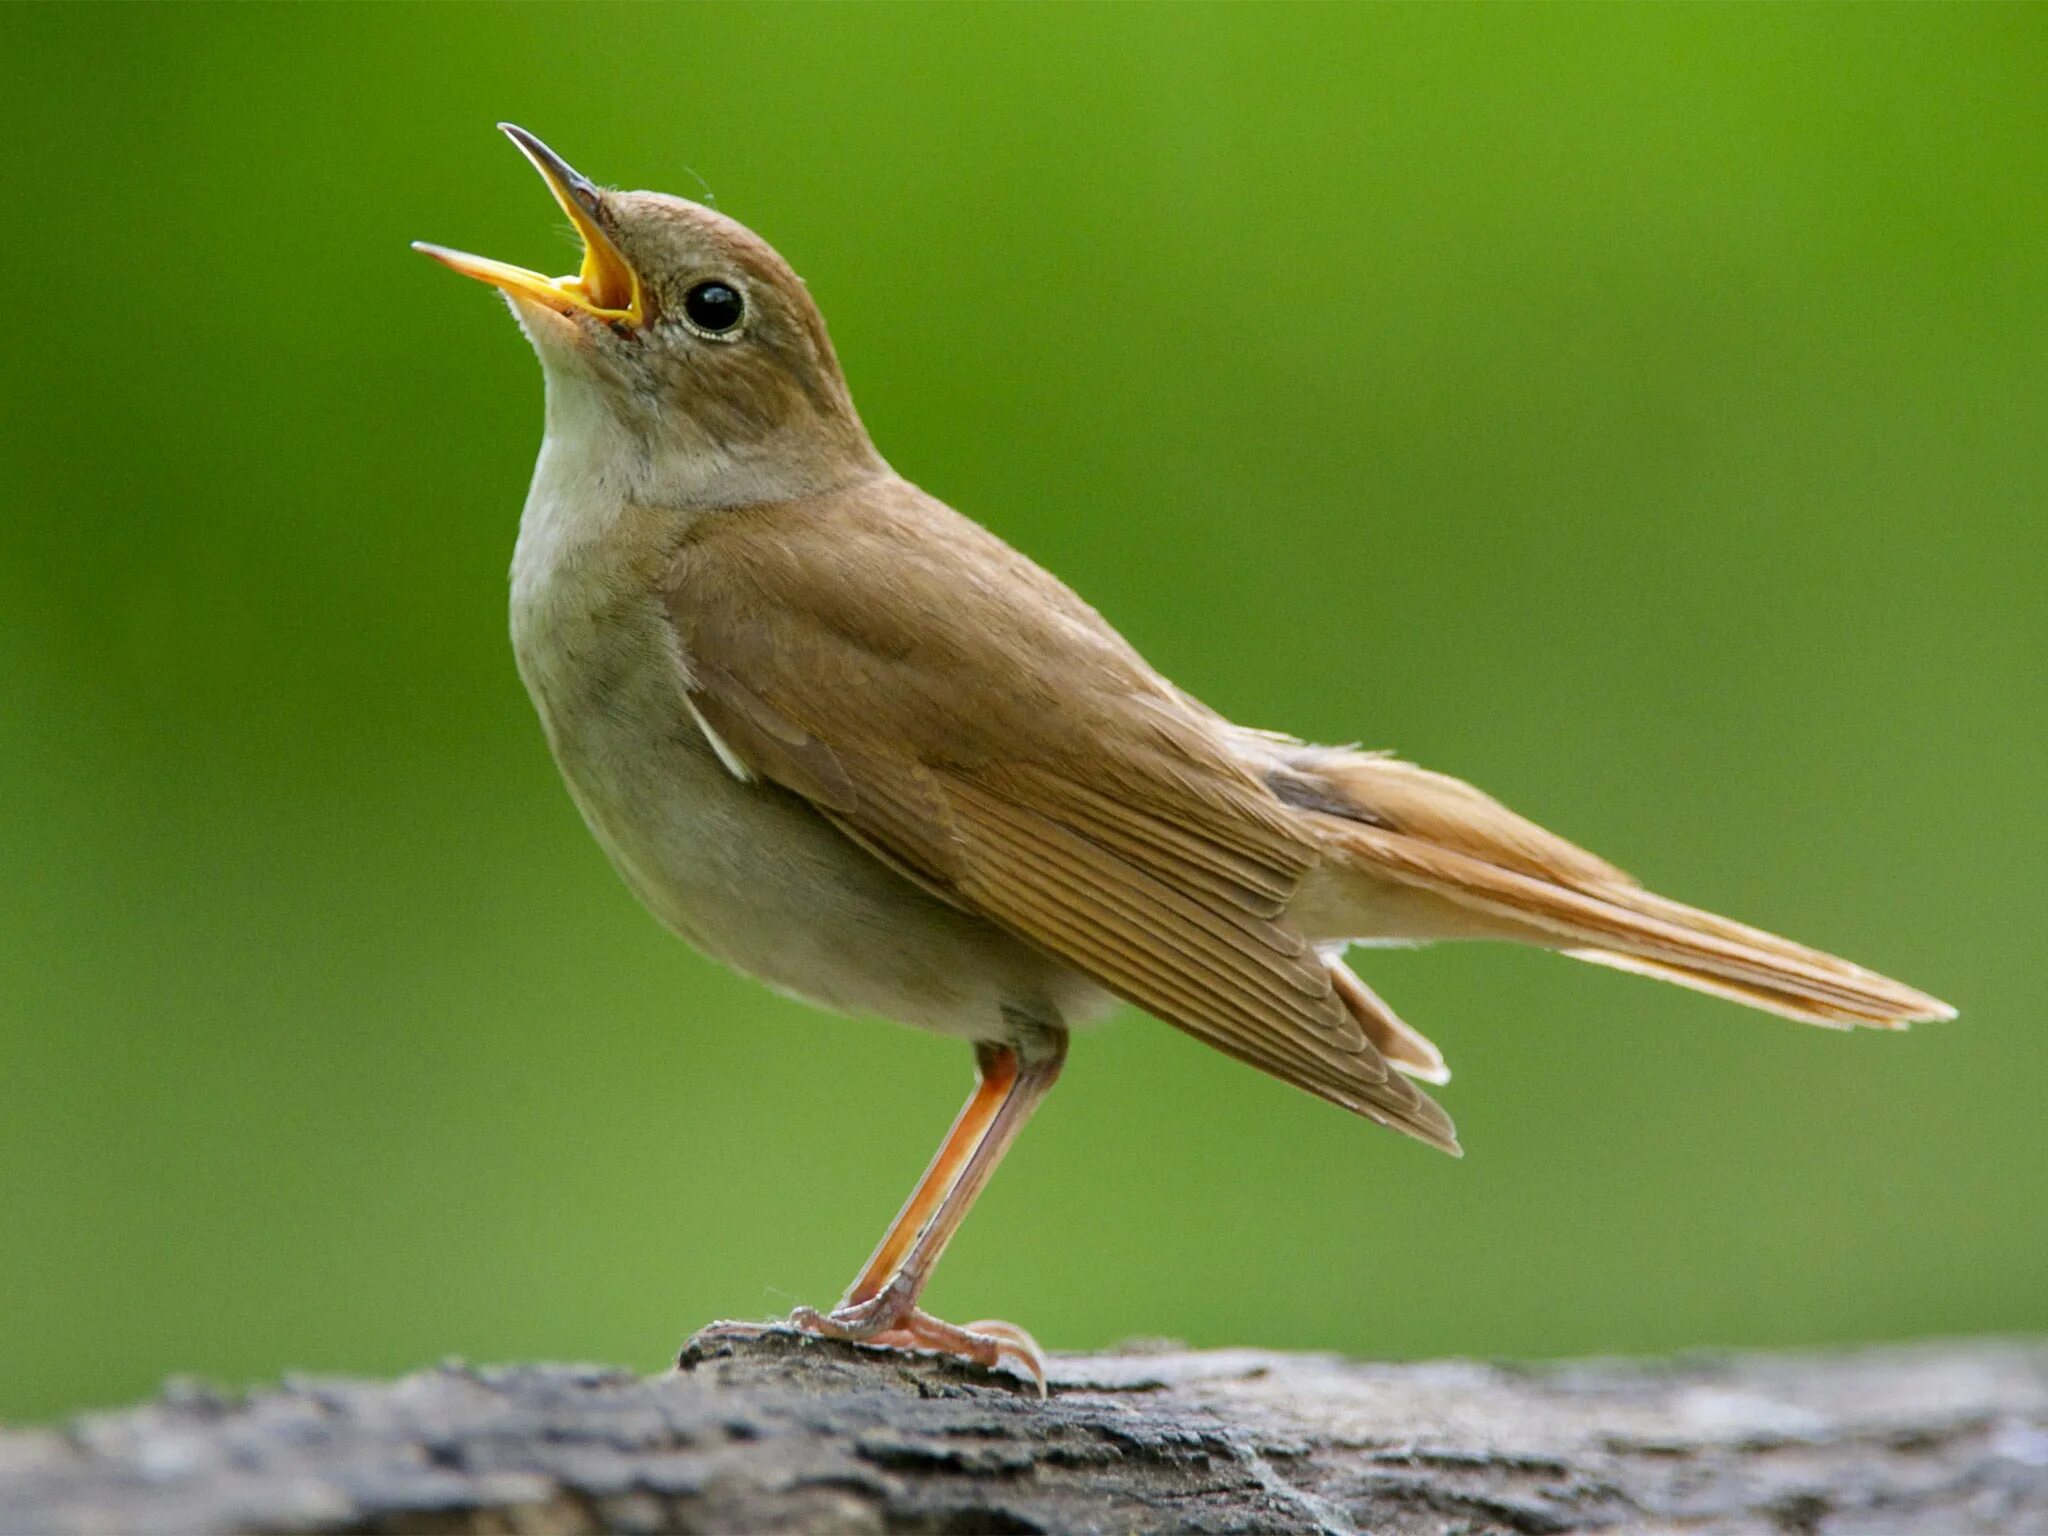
(847,741)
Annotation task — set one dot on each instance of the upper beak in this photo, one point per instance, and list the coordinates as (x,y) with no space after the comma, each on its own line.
(607,289)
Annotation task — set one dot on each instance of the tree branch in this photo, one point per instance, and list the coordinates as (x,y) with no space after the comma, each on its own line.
(798,1435)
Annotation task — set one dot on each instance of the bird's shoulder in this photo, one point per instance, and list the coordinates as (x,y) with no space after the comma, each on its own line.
(882,573)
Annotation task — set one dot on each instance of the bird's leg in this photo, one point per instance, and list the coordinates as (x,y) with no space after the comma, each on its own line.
(997,1071)
(881,1305)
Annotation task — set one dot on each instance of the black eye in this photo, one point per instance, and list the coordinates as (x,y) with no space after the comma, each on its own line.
(714,307)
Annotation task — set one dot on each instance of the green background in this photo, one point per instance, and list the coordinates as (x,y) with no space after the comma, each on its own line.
(1637,411)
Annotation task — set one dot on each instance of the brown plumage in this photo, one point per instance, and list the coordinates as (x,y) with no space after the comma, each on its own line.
(965,717)
(1393,821)
(845,739)
(960,713)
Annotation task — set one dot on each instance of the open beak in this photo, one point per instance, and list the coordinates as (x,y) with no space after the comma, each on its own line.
(607,289)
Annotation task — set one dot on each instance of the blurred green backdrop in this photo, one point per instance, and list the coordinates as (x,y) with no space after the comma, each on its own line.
(1637,411)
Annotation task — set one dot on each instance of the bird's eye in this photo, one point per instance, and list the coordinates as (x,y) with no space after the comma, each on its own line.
(714,309)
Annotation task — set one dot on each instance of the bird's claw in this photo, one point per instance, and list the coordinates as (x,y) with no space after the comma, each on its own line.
(890,1324)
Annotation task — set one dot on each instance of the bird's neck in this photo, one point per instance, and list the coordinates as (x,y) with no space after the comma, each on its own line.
(626,450)
(610,484)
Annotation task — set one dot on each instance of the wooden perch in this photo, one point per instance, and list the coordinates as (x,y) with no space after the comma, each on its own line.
(796,1435)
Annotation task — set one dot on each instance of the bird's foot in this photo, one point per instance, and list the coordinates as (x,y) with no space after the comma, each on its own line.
(889,1322)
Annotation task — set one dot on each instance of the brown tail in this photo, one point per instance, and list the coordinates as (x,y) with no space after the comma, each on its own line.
(1393,822)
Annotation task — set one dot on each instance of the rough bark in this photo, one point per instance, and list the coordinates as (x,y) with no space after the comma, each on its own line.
(787,1434)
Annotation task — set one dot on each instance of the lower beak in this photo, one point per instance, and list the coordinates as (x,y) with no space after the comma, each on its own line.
(607,288)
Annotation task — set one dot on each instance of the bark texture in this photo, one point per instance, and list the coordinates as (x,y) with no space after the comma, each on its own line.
(787,1434)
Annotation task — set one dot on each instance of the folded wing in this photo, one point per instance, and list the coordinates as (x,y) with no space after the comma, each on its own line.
(967,719)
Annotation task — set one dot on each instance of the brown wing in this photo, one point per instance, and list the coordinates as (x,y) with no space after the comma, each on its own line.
(966,718)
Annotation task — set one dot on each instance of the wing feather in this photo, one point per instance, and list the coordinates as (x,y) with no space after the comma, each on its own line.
(966,719)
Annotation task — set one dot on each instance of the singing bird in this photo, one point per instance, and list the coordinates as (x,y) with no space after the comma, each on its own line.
(844,740)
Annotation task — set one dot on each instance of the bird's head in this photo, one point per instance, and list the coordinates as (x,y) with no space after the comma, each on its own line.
(686,341)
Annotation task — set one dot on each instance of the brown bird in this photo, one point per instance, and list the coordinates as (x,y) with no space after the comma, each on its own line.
(847,741)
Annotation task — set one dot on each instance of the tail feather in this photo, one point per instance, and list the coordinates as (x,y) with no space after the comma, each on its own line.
(1393,822)
(1783,1004)
(1621,920)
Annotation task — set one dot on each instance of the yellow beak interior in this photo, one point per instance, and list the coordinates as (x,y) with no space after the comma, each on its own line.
(607,288)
